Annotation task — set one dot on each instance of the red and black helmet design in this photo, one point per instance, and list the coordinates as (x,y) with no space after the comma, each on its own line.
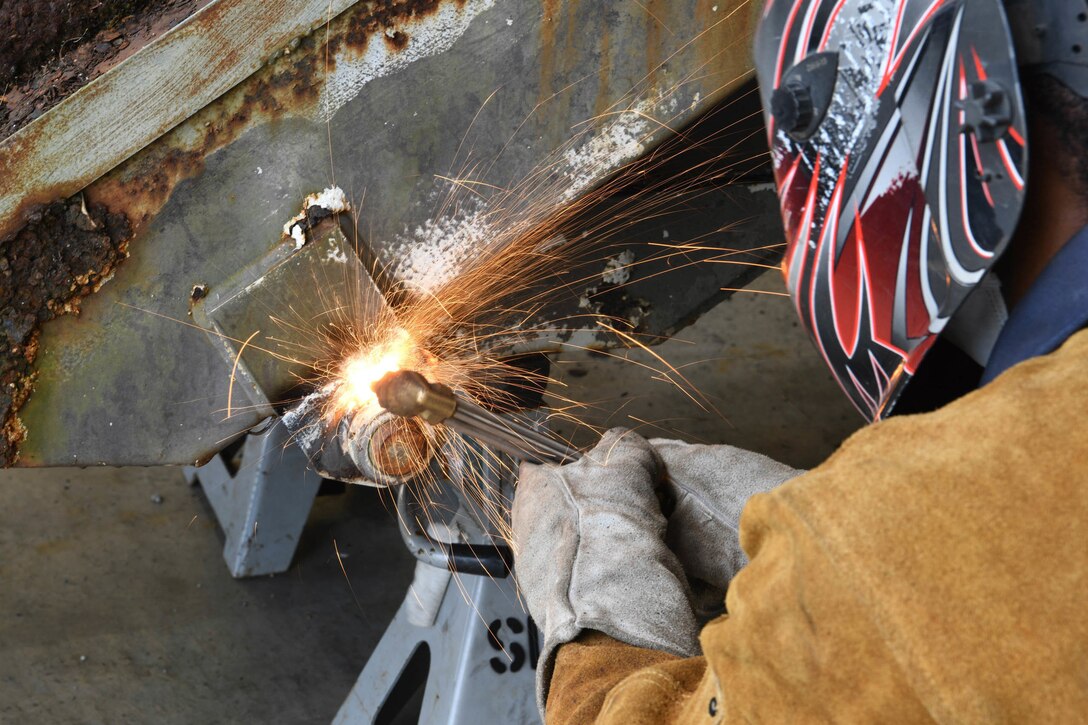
(898,142)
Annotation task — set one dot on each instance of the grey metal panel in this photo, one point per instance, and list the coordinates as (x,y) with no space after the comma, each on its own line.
(128,382)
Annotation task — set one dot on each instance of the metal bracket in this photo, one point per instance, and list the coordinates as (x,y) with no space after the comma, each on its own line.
(493,560)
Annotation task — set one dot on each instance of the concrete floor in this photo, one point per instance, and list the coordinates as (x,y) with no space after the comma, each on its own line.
(115,608)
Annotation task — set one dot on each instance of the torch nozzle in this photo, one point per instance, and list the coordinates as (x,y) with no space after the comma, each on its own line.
(410,395)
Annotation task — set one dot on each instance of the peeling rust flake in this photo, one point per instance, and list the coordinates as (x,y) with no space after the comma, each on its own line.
(384,16)
(67,251)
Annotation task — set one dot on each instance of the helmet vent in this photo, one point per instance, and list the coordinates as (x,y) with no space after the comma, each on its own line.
(987,110)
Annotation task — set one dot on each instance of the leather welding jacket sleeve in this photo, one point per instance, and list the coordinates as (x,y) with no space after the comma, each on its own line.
(934,569)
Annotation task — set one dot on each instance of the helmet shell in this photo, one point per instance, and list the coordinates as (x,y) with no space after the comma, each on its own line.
(899,148)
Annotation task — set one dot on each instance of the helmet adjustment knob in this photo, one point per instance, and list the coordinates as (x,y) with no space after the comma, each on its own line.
(792,107)
(801,100)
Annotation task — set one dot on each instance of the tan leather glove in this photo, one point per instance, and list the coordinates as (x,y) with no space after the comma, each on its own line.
(709,487)
(590,553)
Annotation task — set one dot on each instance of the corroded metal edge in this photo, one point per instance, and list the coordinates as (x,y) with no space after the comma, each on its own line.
(134,104)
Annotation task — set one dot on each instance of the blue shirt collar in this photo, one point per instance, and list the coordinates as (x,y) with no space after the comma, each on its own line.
(1054,308)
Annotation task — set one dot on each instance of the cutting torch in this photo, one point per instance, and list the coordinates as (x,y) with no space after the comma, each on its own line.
(408,394)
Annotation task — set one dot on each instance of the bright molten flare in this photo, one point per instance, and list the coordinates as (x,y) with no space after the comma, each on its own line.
(369,366)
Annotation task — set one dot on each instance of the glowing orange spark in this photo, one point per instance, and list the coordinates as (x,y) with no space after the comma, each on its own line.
(370,365)
(234,371)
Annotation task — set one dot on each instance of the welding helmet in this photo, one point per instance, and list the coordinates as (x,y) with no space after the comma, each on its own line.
(899,148)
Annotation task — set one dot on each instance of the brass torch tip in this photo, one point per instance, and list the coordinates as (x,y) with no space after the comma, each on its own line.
(408,394)
(401,392)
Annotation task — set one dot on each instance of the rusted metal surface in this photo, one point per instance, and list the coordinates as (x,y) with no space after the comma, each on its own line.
(400,450)
(71,44)
(300,86)
(389,100)
(36,31)
(64,254)
(123,111)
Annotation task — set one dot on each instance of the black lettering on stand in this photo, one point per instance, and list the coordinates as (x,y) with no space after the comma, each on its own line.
(513,657)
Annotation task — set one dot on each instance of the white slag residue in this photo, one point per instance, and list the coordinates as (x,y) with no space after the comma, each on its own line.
(427,36)
(618,269)
(295,231)
(338,255)
(619,142)
(300,420)
(333,199)
(440,249)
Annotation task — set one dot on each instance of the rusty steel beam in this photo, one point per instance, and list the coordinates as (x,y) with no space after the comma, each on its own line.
(128,108)
(390,100)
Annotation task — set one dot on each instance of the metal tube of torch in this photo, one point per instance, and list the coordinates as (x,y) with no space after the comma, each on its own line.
(410,395)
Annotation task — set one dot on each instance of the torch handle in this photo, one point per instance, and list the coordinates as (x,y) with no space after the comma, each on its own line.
(517,438)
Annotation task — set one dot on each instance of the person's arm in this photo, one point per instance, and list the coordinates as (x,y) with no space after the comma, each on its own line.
(797,646)
(590,553)
(638,540)
(589,669)
(932,569)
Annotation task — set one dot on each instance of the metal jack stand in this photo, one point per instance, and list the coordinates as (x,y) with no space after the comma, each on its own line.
(461,649)
(475,662)
(263,505)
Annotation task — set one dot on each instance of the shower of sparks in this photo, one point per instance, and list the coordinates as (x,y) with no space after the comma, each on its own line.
(457,320)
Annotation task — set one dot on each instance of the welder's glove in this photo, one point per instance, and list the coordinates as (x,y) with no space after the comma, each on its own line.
(589,542)
(709,487)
